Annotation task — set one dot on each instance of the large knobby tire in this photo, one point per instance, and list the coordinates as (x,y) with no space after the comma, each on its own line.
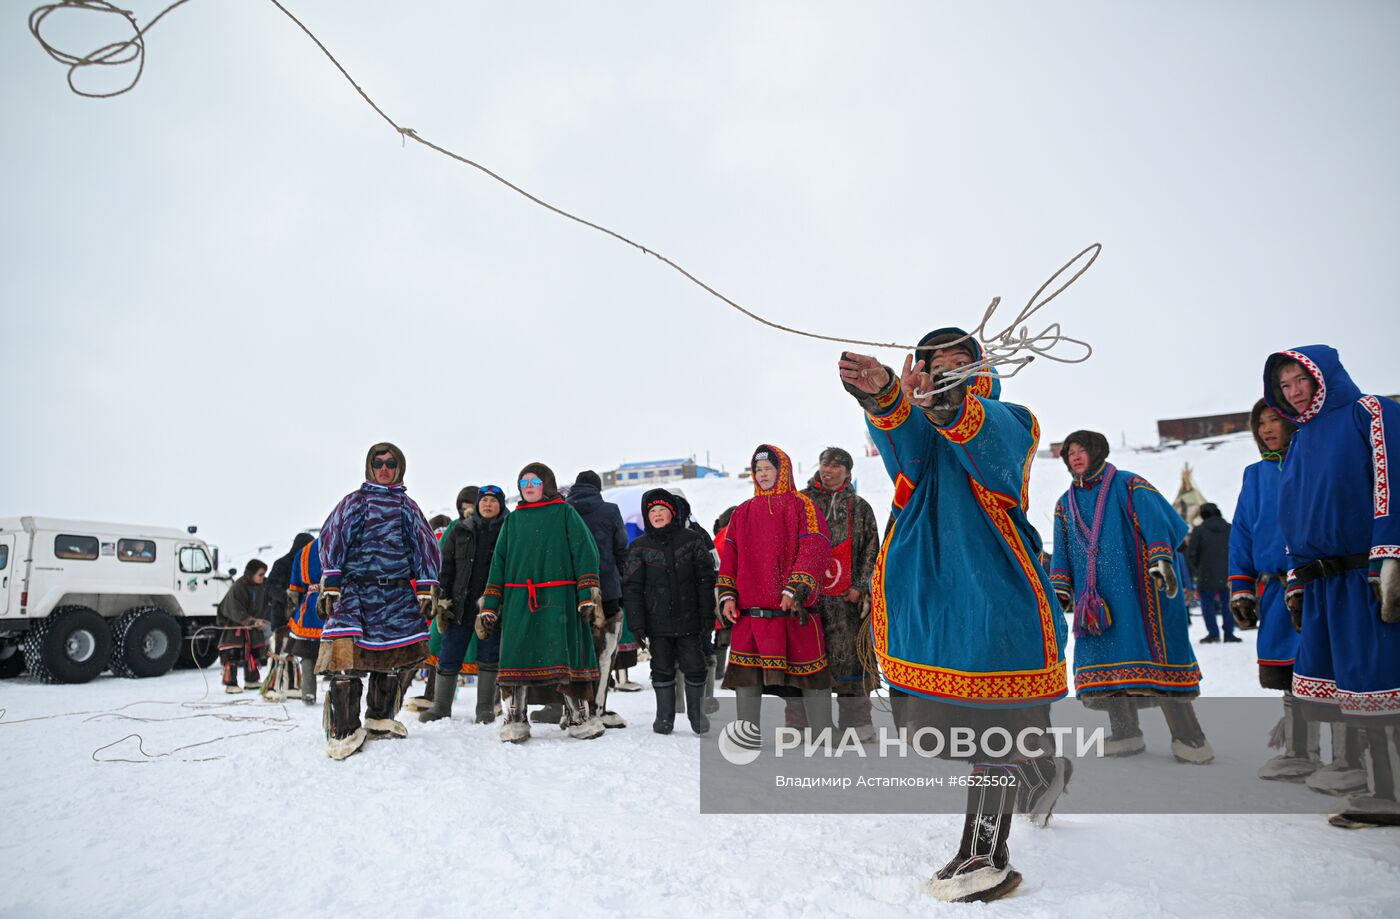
(145,642)
(72,645)
(11,661)
(201,650)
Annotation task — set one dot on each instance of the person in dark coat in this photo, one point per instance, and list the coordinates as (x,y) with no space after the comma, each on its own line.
(604,520)
(1208,555)
(241,611)
(279,578)
(466,559)
(669,596)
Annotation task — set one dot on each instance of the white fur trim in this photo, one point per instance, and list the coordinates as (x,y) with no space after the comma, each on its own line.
(1124,747)
(515,732)
(386,726)
(962,885)
(341,747)
(1197,756)
(589,729)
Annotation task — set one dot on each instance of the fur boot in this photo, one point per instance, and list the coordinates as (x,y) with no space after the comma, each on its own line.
(584,723)
(1344,775)
(308,680)
(1378,806)
(1299,742)
(424,702)
(612,632)
(1189,744)
(382,703)
(516,728)
(982,868)
(1125,733)
(853,713)
(341,717)
(443,694)
(1042,780)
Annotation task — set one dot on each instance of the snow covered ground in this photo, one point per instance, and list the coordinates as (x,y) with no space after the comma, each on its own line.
(451,822)
(234,809)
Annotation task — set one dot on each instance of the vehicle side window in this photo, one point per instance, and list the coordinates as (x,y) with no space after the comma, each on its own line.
(193,560)
(142,551)
(4,557)
(78,548)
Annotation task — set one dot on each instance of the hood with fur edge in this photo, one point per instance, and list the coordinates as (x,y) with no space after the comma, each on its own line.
(780,459)
(385,447)
(1322,362)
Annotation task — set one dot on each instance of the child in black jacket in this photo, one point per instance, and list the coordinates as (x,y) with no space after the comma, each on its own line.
(668,592)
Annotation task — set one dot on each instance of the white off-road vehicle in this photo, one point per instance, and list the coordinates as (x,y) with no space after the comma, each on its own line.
(78,598)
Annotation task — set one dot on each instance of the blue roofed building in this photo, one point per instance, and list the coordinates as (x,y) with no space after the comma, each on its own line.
(657,472)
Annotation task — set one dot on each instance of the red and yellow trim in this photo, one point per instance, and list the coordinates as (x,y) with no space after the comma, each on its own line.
(991,687)
(969,422)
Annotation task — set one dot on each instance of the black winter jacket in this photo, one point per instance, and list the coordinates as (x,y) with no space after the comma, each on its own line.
(609,532)
(669,586)
(1208,554)
(467,552)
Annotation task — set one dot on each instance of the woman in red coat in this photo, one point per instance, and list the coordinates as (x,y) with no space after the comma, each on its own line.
(775,549)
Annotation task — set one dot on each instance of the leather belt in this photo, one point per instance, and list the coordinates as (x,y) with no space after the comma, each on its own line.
(405,583)
(1330,567)
(759,612)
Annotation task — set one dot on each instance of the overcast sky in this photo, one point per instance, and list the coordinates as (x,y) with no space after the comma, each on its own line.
(222,287)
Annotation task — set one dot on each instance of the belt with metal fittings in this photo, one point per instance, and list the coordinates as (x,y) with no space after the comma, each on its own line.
(759,612)
(1330,567)
(404,583)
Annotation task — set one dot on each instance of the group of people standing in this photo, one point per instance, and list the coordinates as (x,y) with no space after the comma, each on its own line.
(961,613)
(964,618)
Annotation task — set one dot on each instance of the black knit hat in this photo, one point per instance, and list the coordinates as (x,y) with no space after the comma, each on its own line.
(1094,443)
(837,455)
(551,486)
(589,477)
(1208,511)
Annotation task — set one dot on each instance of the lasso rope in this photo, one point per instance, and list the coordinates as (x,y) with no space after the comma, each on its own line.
(1013,347)
(220,711)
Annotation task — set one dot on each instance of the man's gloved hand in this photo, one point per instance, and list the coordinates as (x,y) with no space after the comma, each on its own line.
(1388,586)
(791,604)
(1066,602)
(1163,574)
(1293,599)
(326,601)
(443,613)
(729,610)
(1245,609)
(294,598)
(486,623)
